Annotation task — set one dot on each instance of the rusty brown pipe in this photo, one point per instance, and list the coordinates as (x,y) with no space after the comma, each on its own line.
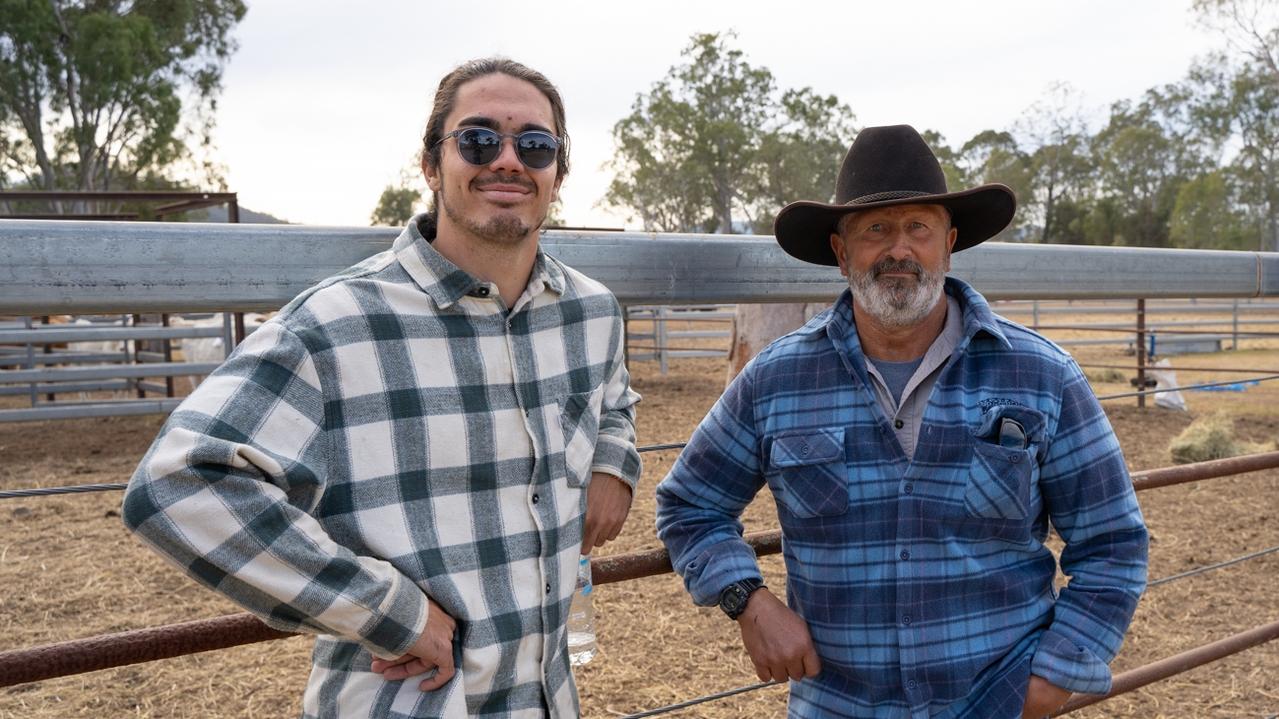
(1176,664)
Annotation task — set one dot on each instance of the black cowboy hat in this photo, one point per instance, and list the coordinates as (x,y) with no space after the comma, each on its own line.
(891,165)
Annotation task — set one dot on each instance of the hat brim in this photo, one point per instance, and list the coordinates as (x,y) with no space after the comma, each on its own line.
(803,229)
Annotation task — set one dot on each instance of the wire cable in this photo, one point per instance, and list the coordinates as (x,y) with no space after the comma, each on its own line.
(1210,567)
(700,700)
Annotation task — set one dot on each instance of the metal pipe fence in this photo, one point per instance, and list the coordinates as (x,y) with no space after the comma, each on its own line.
(112,650)
(108,267)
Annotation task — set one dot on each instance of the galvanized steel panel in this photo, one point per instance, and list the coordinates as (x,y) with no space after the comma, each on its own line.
(49,267)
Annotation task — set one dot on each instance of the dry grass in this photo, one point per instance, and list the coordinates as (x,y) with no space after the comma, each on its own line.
(69,569)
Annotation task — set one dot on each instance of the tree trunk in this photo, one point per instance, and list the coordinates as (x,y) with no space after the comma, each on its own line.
(757,325)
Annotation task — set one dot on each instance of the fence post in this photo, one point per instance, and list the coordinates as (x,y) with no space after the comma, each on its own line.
(1234,334)
(659,335)
(1141,352)
(31,363)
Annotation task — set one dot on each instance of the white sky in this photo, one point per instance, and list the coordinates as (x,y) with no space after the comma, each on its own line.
(325,100)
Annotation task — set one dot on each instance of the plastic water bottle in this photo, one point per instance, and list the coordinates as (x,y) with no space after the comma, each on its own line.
(581,617)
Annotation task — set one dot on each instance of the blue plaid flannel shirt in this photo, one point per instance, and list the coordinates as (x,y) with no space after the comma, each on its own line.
(925,582)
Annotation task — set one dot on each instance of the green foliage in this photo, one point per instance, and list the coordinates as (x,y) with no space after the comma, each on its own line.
(1205,215)
(714,142)
(395,206)
(1190,164)
(91,92)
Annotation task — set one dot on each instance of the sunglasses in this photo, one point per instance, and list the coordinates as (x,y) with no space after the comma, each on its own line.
(481,146)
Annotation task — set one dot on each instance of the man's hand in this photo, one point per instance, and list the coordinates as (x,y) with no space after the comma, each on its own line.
(608,501)
(777,639)
(1043,698)
(432,651)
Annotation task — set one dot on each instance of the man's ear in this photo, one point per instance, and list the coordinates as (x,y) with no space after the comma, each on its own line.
(430,172)
(837,246)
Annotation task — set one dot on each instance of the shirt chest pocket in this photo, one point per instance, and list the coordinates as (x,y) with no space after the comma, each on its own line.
(580,426)
(808,472)
(1005,466)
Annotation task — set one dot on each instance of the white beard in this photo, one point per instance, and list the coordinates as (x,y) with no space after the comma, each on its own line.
(897,302)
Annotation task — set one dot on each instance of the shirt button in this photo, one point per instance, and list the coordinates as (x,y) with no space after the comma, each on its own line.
(536,499)
(898,424)
(548,591)
(905,554)
(909,488)
(803,449)
(1014,457)
(905,619)
(911,684)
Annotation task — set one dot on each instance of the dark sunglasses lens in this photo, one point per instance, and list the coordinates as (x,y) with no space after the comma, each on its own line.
(478,145)
(536,149)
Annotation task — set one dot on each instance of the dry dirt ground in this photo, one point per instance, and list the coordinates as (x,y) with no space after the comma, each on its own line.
(68,569)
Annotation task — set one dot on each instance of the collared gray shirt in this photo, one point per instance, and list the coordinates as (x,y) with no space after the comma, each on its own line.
(907,415)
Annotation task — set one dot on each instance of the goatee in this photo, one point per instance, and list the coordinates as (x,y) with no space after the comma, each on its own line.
(897,301)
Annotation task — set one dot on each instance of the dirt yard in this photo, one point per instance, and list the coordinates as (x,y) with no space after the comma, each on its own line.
(68,569)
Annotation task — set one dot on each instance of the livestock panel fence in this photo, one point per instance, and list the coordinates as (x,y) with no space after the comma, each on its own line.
(90,267)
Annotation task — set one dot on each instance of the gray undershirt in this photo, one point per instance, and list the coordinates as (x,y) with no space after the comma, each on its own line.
(897,374)
(904,406)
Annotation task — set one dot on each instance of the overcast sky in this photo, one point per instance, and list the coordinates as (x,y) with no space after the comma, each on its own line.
(325,101)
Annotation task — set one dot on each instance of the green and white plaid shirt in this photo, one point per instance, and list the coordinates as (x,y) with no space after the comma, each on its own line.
(395,433)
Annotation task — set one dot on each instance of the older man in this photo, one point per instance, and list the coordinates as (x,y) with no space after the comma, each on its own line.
(918,446)
(402,459)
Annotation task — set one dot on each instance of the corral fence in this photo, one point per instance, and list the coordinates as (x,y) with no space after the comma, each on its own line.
(107,267)
(57,364)
(665,334)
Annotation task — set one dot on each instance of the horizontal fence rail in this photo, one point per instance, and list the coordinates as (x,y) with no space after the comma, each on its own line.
(77,656)
(76,266)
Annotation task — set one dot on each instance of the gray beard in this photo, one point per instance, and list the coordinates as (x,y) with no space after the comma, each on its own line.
(895,302)
(501,230)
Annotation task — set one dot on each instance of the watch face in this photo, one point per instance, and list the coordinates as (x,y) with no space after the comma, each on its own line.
(733,601)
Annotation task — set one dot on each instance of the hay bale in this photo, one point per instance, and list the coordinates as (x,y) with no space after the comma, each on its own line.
(1211,437)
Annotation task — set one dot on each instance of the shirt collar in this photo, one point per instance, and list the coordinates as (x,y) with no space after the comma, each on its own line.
(446,283)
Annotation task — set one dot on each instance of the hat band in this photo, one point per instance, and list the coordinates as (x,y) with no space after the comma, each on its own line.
(891,195)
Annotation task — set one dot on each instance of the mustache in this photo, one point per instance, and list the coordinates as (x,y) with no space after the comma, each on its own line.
(891,265)
(500,179)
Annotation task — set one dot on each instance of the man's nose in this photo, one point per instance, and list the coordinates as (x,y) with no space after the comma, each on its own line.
(900,248)
(507,160)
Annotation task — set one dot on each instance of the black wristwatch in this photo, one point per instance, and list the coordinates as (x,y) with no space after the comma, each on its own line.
(734,597)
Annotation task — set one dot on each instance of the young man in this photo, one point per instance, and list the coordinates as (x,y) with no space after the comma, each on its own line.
(918,447)
(409,458)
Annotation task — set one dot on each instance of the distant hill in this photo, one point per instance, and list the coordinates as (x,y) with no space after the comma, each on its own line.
(218,214)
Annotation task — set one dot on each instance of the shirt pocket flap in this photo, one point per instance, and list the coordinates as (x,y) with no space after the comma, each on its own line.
(811,447)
